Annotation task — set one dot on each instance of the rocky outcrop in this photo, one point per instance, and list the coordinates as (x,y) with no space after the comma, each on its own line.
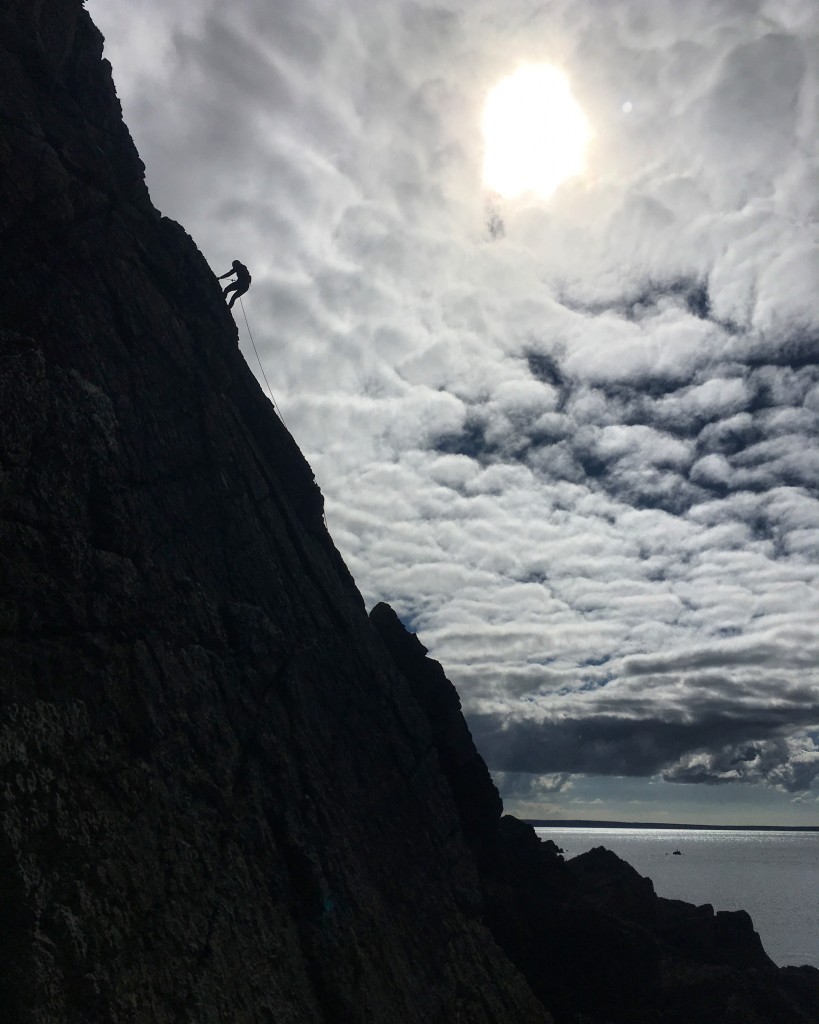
(590,935)
(219,799)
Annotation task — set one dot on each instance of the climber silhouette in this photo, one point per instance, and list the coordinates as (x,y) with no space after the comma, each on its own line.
(240,285)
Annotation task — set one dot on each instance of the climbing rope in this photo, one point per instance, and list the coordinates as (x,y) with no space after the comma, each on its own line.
(253,343)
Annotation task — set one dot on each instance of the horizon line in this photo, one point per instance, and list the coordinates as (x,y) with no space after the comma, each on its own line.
(596,823)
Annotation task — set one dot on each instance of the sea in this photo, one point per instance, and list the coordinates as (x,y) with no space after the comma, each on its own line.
(774,875)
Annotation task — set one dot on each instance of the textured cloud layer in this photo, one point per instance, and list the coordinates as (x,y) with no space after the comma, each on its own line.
(578,454)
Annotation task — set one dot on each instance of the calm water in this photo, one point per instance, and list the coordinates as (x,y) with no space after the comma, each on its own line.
(772,875)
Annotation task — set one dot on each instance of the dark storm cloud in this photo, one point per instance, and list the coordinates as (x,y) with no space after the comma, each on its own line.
(757,745)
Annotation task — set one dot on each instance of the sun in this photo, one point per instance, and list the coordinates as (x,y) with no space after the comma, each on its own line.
(535,134)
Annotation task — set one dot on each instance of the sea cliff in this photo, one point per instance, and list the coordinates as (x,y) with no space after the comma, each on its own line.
(227,793)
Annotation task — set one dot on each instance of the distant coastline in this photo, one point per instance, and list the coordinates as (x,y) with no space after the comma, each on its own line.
(582,823)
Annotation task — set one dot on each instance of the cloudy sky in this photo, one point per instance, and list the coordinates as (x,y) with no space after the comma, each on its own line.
(571,438)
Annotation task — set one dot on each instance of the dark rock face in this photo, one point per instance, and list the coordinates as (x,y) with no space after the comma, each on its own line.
(219,799)
(591,937)
(476,796)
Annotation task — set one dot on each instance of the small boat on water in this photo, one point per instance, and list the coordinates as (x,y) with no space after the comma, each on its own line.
(676,853)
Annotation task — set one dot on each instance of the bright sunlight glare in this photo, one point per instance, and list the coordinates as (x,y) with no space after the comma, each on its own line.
(535,134)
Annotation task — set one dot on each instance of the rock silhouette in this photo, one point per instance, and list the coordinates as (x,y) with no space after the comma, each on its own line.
(225,793)
(591,937)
